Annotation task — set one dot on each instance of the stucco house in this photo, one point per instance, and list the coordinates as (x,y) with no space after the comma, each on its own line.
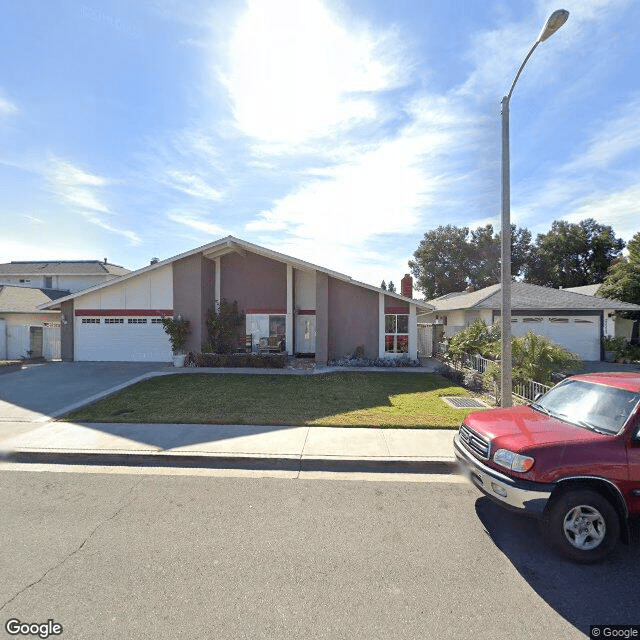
(315,310)
(64,275)
(614,325)
(25,329)
(572,320)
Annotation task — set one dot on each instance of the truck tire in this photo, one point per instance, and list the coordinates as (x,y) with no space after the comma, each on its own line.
(582,525)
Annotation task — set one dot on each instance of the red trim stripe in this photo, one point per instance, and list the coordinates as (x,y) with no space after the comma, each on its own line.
(401,310)
(268,311)
(124,312)
(307,312)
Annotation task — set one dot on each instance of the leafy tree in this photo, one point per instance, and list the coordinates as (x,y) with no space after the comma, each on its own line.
(573,254)
(451,258)
(224,326)
(623,281)
(392,287)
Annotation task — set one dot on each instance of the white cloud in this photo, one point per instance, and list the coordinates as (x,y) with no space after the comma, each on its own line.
(611,140)
(80,189)
(296,72)
(192,185)
(76,186)
(618,209)
(7,108)
(195,221)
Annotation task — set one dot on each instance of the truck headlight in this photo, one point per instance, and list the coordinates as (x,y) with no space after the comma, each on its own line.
(513,461)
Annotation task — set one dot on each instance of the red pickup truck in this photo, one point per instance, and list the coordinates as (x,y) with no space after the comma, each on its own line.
(571,458)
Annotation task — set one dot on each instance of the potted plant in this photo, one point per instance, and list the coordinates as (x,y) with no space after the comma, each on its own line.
(613,348)
(177,329)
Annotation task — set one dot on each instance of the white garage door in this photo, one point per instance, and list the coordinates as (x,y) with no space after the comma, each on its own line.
(121,339)
(579,335)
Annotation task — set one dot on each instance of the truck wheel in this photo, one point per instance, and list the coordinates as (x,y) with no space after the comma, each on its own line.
(583,526)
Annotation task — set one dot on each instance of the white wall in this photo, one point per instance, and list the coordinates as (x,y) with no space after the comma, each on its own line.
(151,290)
(305,289)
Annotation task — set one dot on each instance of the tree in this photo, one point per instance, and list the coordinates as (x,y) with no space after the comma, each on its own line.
(383,285)
(623,281)
(224,326)
(451,258)
(573,254)
(392,287)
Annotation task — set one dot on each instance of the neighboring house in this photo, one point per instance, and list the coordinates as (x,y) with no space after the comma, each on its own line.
(572,320)
(317,311)
(70,275)
(25,330)
(614,325)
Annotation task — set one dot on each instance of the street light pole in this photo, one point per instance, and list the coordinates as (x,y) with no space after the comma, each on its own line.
(554,22)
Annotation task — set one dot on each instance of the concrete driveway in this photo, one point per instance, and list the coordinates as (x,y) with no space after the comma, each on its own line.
(40,391)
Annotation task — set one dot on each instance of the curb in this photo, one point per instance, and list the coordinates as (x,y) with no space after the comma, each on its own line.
(248,462)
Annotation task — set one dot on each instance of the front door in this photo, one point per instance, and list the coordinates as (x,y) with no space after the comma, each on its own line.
(305,334)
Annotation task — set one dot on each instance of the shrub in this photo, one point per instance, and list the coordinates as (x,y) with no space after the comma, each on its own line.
(177,329)
(254,360)
(224,326)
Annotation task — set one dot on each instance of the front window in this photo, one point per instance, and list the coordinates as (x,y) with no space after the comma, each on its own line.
(396,329)
(589,405)
(277,326)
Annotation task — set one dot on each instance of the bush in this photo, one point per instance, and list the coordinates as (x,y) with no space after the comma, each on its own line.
(225,325)
(253,360)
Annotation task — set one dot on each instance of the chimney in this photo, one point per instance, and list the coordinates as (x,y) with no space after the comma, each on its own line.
(105,261)
(406,286)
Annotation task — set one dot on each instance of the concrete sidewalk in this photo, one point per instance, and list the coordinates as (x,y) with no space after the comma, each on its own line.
(235,447)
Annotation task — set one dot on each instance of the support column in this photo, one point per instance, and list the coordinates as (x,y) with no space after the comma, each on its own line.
(413,332)
(322,318)
(289,316)
(217,286)
(381,325)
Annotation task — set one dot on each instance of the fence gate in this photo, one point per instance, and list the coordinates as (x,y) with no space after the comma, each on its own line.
(425,340)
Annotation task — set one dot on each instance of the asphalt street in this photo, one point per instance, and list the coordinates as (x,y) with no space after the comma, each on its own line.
(135,555)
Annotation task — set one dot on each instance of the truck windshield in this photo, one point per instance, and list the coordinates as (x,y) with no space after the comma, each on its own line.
(589,405)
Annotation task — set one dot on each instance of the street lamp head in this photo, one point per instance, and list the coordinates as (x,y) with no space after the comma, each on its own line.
(555,21)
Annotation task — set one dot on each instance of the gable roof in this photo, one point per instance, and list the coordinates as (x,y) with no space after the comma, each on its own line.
(530,296)
(26,299)
(61,267)
(231,244)
(587,290)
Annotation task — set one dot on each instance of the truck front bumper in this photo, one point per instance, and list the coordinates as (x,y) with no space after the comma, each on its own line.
(513,493)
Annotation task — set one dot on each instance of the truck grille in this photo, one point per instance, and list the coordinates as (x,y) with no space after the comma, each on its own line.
(477,444)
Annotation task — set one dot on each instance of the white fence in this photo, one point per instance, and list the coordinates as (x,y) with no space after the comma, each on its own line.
(526,390)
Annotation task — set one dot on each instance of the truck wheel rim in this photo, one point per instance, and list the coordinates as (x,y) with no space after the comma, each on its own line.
(584,527)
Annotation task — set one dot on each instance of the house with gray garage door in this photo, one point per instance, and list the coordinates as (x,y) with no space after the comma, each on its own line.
(316,311)
(574,321)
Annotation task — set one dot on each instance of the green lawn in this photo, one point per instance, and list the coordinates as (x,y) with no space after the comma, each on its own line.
(345,399)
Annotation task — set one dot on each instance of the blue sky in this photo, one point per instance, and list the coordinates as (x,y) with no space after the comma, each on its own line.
(335,132)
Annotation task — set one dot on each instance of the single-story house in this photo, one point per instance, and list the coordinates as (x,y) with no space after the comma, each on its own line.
(572,320)
(614,325)
(315,310)
(25,330)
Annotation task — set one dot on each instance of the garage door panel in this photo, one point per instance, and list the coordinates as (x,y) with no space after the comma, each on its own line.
(579,335)
(121,341)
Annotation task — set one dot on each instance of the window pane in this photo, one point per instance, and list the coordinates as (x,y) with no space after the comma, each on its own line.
(403,344)
(389,324)
(276,326)
(388,344)
(403,324)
